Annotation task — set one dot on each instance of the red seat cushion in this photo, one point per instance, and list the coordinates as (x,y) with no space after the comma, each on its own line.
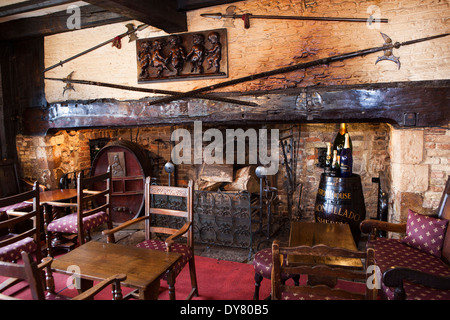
(17,207)
(184,250)
(12,252)
(68,223)
(392,252)
(262,262)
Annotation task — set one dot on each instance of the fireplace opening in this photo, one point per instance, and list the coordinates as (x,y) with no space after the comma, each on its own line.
(377,148)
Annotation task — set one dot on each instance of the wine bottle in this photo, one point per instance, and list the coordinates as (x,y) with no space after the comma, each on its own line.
(346,161)
(328,160)
(335,172)
(340,140)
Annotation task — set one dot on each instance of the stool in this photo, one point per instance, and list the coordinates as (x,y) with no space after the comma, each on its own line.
(263,269)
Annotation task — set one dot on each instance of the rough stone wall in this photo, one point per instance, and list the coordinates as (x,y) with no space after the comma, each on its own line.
(420,167)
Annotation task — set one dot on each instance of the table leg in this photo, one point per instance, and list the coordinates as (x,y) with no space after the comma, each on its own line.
(85,285)
(151,292)
(171,284)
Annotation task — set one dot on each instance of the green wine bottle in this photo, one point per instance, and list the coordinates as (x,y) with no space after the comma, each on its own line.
(328,160)
(335,168)
(340,140)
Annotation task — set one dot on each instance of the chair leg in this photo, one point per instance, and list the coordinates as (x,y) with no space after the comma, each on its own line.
(48,239)
(193,274)
(296,279)
(258,280)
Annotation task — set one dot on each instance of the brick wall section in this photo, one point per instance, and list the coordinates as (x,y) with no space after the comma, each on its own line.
(47,158)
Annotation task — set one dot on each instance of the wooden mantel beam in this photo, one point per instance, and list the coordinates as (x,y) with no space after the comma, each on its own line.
(157,13)
(405,104)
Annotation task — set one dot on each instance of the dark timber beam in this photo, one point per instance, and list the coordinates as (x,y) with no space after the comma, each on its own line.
(31,5)
(157,13)
(187,5)
(91,16)
(403,104)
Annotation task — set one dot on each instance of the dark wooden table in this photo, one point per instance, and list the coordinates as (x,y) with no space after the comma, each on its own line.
(333,235)
(143,267)
(57,195)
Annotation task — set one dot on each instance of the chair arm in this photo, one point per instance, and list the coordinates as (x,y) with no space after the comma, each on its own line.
(395,275)
(30,185)
(47,261)
(369,225)
(61,204)
(124,225)
(115,279)
(180,232)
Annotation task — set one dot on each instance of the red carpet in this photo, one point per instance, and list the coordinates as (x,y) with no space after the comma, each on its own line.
(217,280)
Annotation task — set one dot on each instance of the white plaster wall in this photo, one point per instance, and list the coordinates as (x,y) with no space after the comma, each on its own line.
(269,44)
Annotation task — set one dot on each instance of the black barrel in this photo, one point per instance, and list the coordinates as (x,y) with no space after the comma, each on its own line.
(341,200)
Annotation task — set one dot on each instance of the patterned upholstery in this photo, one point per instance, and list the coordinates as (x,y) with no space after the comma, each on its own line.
(68,223)
(308,296)
(425,233)
(182,249)
(17,206)
(12,252)
(262,263)
(392,252)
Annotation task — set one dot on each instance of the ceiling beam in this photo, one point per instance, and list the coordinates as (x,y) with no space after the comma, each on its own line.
(31,5)
(157,13)
(187,5)
(91,16)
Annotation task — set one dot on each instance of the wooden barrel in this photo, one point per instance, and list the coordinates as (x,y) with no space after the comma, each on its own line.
(131,164)
(341,200)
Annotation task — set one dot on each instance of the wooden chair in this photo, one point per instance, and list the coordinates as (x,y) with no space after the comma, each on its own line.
(321,291)
(262,263)
(32,273)
(169,244)
(92,209)
(16,238)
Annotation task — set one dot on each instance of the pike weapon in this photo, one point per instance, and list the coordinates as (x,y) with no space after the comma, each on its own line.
(115,41)
(69,81)
(387,48)
(247,16)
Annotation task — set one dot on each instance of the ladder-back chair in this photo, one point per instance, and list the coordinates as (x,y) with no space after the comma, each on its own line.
(92,209)
(33,274)
(282,291)
(186,249)
(21,231)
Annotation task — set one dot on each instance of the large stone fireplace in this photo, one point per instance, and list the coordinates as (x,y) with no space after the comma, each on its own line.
(398,119)
(414,160)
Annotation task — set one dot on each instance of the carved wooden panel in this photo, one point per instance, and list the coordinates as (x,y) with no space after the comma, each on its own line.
(170,191)
(183,56)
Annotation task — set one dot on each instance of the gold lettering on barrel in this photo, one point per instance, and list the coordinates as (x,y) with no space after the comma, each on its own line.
(338,211)
(330,194)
